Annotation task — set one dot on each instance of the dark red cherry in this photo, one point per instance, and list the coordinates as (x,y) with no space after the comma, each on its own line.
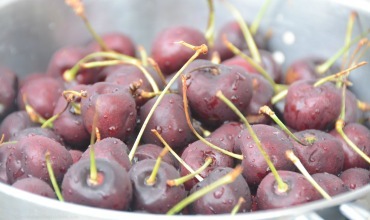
(355,178)
(14,123)
(35,186)
(331,184)
(152,151)
(118,42)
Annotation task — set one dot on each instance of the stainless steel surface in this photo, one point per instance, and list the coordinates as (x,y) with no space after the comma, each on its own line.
(32,30)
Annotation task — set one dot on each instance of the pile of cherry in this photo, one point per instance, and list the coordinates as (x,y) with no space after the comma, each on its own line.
(51,119)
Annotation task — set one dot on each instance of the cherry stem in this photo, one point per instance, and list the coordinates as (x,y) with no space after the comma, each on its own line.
(290,155)
(78,8)
(76,108)
(322,68)
(348,37)
(282,186)
(147,75)
(338,75)
(70,75)
(157,69)
(49,122)
(261,13)
(246,33)
(342,115)
(237,206)
(93,179)
(254,64)
(356,55)
(153,176)
(34,116)
(149,95)
(210,32)
(143,55)
(339,128)
(227,179)
(2,139)
(198,50)
(7,142)
(181,180)
(279,96)
(188,120)
(178,158)
(52,177)
(267,110)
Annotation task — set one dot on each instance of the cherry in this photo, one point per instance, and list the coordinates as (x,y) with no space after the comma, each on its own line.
(360,136)
(311,107)
(299,191)
(355,178)
(5,150)
(227,134)
(262,94)
(169,120)
(27,159)
(64,59)
(305,69)
(113,189)
(8,91)
(170,56)
(273,141)
(268,63)
(322,152)
(112,107)
(69,124)
(35,186)
(224,198)
(30,77)
(14,123)
(157,197)
(115,41)
(111,149)
(202,85)
(152,151)
(37,131)
(196,153)
(332,184)
(41,94)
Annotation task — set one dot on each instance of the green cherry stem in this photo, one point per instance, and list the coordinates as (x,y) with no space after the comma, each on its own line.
(256,22)
(245,30)
(282,186)
(198,50)
(228,178)
(237,206)
(52,177)
(178,158)
(181,180)
(153,176)
(210,31)
(267,110)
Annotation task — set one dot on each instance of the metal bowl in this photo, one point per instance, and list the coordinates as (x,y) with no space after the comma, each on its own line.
(32,30)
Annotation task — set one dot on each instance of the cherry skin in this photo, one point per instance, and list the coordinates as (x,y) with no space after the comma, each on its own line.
(14,123)
(227,134)
(360,136)
(299,191)
(113,189)
(110,149)
(204,82)
(118,42)
(309,107)
(171,56)
(195,155)
(224,198)
(169,120)
(41,94)
(5,150)
(37,131)
(322,153)
(274,142)
(159,197)
(355,178)
(331,184)
(35,186)
(113,107)
(8,91)
(28,159)
(76,155)
(152,151)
